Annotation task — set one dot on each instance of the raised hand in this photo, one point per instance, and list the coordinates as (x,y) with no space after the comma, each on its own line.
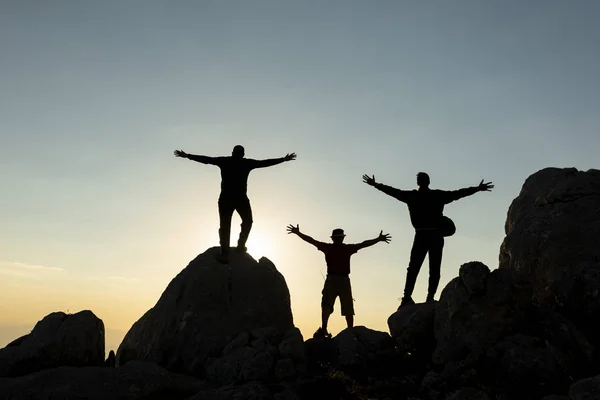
(180,153)
(289,157)
(384,237)
(293,229)
(485,187)
(368,180)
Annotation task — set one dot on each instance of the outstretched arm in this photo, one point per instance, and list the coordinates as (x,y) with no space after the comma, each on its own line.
(453,195)
(296,230)
(273,161)
(401,195)
(383,237)
(198,158)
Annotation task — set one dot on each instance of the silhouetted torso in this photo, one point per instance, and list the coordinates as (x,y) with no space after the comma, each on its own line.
(426,207)
(337,257)
(234,175)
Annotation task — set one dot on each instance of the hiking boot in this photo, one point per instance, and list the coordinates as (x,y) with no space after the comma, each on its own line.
(223,258)
(322,334)
(406,301)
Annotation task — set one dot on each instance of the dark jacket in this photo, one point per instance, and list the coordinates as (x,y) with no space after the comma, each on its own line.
(426,207)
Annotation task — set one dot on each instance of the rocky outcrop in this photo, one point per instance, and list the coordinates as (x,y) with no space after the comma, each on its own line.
(491,336)
(411,327)
(577,296)
(360,347)
(205,307)
(136,380)
(57,340)
(585,389)
(552,227)
(260,355)
(469,322)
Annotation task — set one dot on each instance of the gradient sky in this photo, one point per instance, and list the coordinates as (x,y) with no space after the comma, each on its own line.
(96,212)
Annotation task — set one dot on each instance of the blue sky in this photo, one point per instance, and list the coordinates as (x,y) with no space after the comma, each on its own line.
(97,213)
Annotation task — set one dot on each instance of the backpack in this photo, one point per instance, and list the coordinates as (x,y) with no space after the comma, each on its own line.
(447,227)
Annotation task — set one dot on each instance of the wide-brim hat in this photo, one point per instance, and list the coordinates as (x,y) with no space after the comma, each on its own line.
(337,233)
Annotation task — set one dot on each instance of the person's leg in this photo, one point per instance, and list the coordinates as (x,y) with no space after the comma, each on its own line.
(349,321)
(346,301)
(327,302)
(325,314)
(436,247)
(225,213)
(329,295)
(417,256)
(245,211)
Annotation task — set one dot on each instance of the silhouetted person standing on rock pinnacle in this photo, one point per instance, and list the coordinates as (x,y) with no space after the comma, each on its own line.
(234,182)
(337,283)
(426,208)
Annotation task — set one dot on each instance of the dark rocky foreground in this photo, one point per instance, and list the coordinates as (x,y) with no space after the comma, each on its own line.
(529,329)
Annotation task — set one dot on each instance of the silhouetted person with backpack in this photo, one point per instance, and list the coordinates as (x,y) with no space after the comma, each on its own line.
(426,208)
(337,283)
(234,183)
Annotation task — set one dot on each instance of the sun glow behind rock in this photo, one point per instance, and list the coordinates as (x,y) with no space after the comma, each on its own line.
(259,245)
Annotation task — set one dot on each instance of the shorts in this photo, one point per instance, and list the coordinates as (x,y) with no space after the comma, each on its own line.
(338,286)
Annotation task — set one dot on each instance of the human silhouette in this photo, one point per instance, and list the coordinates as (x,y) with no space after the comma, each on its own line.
(337,283)
(425,207)
(234,182)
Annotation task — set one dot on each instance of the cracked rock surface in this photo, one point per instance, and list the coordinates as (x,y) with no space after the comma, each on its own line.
(552,227)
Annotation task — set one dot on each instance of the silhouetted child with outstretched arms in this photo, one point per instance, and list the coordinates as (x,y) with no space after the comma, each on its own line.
(337,283)
(234,182)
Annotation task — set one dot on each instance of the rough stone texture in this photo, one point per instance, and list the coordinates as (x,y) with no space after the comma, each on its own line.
(412,328)
(285,369)
(578,298)
(248,391)
(468,393)
(135,380)
(585,389)
(465,322)
(240,341)
(473,275)
(57,340)
(528,364)
(206,306)
(553,226)
(569,346)
(292,346)
(263,358)
(358,344)
(228,369)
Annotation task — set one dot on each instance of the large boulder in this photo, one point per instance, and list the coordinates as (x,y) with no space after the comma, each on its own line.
(578,297)
(360,346)
(260,355)
(359,352)
(412,329)
(136,380)
(204,308)
(552,227)
(57,340)
(468,320)
(585,389)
